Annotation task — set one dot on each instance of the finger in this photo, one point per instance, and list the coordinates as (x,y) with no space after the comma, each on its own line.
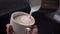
(9,29)
(35,30)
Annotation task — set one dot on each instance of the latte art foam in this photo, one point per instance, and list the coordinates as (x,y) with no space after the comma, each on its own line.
(24,20)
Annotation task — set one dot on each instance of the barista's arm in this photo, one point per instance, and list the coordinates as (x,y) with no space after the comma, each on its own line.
(50,4)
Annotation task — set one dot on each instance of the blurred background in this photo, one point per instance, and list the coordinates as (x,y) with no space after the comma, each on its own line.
(47,17)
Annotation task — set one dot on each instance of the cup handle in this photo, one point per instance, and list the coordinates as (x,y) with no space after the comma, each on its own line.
(28,30)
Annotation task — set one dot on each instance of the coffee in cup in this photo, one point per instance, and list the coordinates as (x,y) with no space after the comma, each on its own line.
(20,21)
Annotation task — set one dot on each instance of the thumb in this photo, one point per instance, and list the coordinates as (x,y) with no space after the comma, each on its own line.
(9,29)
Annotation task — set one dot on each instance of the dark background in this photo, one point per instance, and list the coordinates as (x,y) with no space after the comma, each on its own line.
(46,25)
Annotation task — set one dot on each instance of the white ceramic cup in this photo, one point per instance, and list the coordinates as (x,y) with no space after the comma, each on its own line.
(19,28)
